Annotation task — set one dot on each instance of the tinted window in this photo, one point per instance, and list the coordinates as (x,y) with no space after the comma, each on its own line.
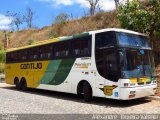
(22,55)
(45,52)
(74,48)
(81,47)
(61,49)
(33,53)
(105,39)
(107,64)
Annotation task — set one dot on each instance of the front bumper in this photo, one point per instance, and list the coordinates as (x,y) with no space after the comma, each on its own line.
(137,92)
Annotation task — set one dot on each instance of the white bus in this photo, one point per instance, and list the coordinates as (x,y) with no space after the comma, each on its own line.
(109,63)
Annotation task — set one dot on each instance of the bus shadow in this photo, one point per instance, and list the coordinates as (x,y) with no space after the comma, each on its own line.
(96,101)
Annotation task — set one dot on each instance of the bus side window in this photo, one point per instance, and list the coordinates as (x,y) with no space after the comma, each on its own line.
(33,54)
(49,52)
(85,46)
(76,47)
(14,57)
(22,55)
(56,50)
(62,50)
(76,52)
(11,57)
(81,47)
(105,39)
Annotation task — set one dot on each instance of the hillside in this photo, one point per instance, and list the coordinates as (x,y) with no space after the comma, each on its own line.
(99,21)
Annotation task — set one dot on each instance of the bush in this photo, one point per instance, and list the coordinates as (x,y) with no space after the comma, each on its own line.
(31,42)
(2,56)
(52,34)
(2,60)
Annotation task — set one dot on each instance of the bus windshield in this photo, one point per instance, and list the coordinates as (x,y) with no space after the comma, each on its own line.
(136,63)
(135,58)
(131,40)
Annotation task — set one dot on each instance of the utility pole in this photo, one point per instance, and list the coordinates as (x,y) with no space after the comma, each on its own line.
(5,41)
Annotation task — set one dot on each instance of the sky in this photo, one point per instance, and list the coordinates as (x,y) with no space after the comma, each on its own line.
(46,10)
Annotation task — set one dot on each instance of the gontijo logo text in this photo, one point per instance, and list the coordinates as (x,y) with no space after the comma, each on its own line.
(82,65)
(31,66)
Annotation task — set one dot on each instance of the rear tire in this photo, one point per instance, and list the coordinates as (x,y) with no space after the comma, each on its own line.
(17,83)
(87,92)
(23,85)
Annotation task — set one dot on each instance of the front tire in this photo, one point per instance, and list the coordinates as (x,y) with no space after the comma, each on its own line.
(87,92)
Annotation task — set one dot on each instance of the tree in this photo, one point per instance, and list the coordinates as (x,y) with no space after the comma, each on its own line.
(141,16)
(61,18)
(16,18)
(93,5)
(116,3)
(28,18)
(6,40)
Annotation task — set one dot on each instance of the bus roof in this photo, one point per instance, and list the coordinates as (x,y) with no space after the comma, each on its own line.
(44,42)
(117,30)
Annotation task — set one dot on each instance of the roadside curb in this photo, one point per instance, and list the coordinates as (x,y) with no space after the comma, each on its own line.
(154,98)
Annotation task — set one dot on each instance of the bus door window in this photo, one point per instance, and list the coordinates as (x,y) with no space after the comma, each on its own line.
(112,72)
(100,62)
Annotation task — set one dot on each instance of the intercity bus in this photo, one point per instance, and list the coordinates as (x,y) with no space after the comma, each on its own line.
(110,63)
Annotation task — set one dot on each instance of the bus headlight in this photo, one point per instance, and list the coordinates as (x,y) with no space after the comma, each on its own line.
(132,84)
(126,84)
(154,81)
(129,84)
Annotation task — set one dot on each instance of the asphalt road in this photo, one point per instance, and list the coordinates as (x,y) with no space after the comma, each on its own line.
(37,101)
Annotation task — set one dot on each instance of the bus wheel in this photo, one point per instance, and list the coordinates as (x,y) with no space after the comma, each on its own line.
(17,83)
(87,92)
(23,85)
(80,90)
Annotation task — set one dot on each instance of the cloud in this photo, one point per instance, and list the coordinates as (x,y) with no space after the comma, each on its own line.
(58,2)
(4,22)
(106,5)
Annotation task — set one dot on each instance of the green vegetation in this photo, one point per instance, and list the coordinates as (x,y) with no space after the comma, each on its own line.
(52,34)
(141,16)
(31,42)
(2,56)
(2,60)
